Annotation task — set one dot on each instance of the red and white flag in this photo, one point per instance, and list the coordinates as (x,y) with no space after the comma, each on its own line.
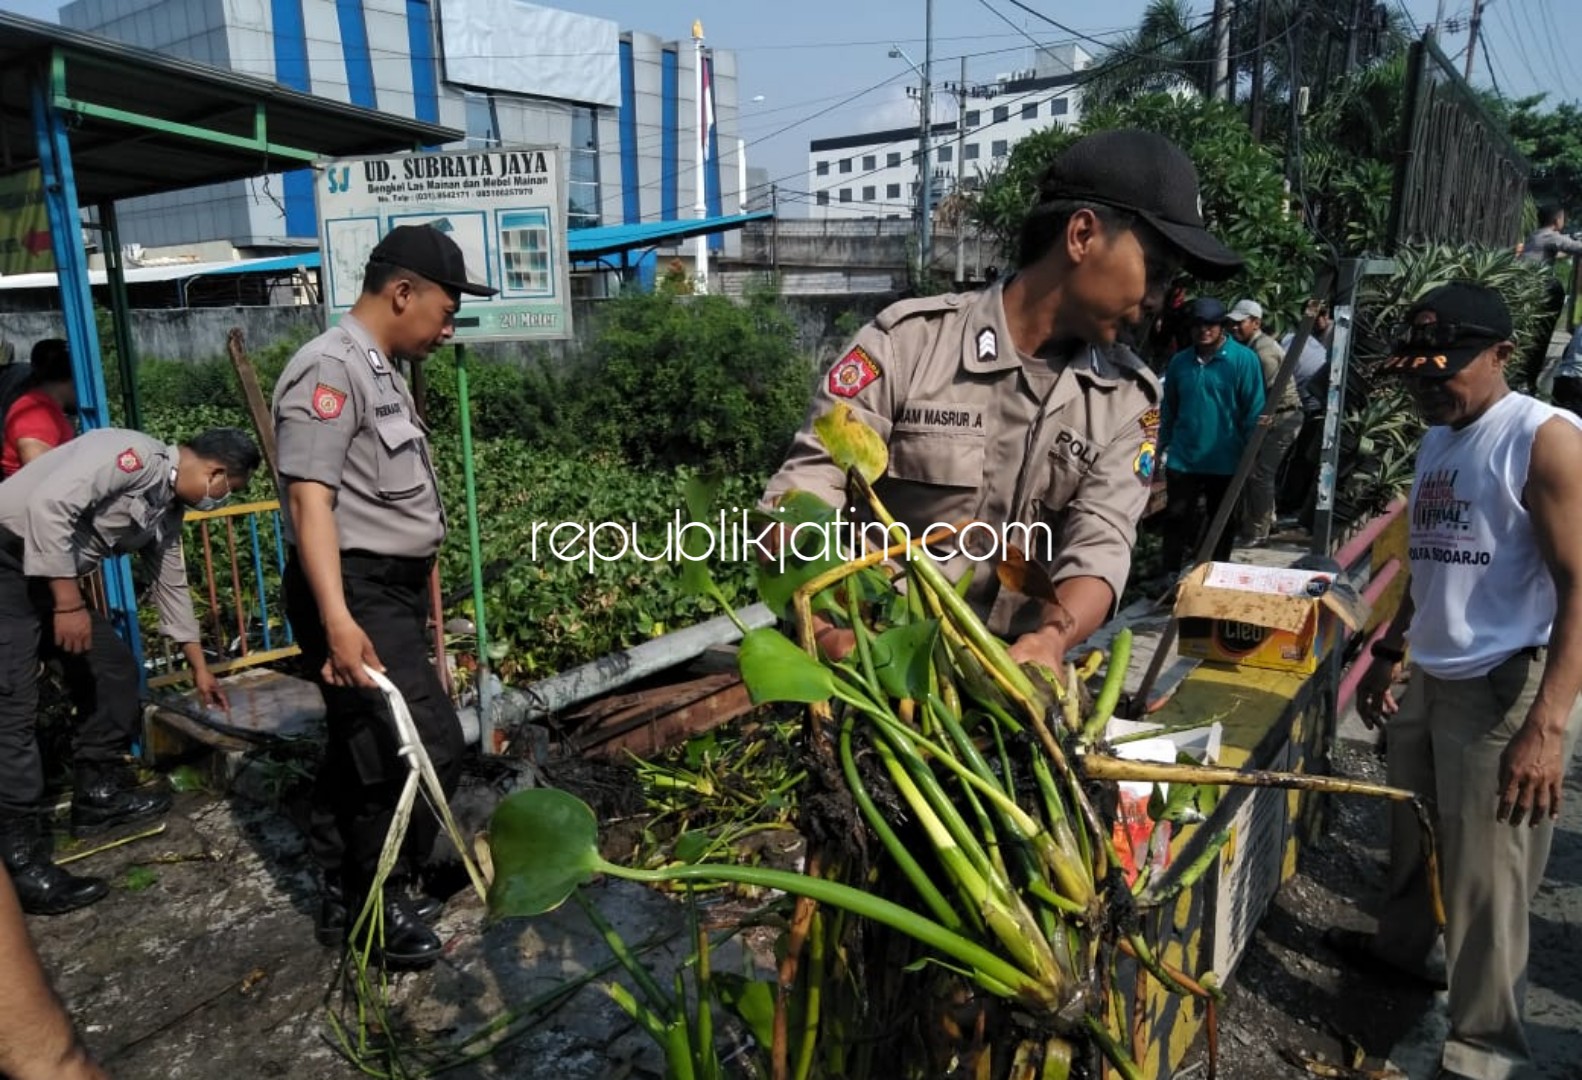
(706,108)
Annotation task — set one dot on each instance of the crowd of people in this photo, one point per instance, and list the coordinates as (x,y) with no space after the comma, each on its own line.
(1019,405)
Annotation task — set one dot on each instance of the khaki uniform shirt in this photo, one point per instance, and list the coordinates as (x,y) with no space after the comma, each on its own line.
(345,419)
(1270,357)
(107,492)
(978,432)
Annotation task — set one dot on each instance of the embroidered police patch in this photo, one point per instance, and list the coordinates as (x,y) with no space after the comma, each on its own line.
(853,372)
(328,402)
(1149,422)
(128,461)
(1143,463)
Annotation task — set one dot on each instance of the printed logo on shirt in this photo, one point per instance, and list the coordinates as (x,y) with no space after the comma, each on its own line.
(128,461)
(328,402)
(942,416)
(855,371)
(1436,507)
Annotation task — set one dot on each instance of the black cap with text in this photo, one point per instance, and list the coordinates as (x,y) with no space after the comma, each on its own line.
(429,253)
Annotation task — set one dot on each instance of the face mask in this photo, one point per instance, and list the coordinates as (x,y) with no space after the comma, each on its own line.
(211,501)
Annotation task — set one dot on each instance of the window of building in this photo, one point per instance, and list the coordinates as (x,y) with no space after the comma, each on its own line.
(483,125)
(1030,111)
(973,118)
(969,152)
(1002,113)
(892,161)
(1000,148)
(822,168)
(1059,107)
(892,191)
(823,198)
(947,153)
(870,162)
(845,164)
(582,170)
(869,193)
(845,194)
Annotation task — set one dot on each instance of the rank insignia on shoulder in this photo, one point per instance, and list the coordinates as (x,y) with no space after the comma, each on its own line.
(128,461)
(988,345)
(328,402)
(853,372)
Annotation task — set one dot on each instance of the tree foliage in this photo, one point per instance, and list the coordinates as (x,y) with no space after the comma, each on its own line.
(1244,199)
(1552,143)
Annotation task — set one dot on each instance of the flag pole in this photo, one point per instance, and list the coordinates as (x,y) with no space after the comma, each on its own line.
(702,208)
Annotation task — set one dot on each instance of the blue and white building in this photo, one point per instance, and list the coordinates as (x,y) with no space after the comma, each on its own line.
(507,72)
(874,174)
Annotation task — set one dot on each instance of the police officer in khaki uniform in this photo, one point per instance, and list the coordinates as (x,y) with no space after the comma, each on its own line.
(106,493)
(1016,406)
(364,521)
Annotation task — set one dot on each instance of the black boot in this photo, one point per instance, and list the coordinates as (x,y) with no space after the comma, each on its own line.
(408,944)
(41,886)
(329,928)
(107,796)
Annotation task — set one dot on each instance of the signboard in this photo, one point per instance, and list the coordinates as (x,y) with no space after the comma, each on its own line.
(24,224)
(504,207)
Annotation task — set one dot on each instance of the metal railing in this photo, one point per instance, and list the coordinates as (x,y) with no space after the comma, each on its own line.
(242,553)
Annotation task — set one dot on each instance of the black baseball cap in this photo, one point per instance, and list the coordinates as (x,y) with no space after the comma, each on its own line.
(1150,176)
(1468,319)
(1206,309)
(426,251)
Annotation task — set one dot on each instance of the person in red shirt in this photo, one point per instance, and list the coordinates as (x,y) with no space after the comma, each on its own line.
(40,419)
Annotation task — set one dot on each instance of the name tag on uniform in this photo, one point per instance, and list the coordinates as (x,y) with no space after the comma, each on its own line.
(942,416)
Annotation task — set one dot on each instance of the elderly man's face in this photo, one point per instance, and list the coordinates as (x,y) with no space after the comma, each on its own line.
(1244,330)
(1463,397)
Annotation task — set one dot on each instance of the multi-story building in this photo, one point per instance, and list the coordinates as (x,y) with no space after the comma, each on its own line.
(875,174)
(622,103)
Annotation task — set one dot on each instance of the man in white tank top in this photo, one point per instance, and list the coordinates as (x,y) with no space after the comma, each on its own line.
(1488,720)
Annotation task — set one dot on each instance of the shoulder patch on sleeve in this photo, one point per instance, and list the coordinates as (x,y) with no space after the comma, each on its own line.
(853,372)
(922,305)
(128,461)
(328,401)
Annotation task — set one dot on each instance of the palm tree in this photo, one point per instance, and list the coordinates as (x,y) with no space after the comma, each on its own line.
(1168,53)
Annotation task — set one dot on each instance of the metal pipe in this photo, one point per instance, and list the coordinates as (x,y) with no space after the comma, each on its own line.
(1359,545)
(475,553)
(1348,685)
(560,692)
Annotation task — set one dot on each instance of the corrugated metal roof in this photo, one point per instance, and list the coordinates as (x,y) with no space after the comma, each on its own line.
(144,275)
(115,160)
(611,239)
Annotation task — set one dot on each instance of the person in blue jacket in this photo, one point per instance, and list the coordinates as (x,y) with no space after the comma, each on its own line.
(1213,396)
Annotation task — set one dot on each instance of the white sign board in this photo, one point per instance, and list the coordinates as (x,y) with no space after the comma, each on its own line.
(526,48)
(505,208)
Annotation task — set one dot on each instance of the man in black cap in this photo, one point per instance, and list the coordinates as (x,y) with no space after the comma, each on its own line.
(364,521)
(1489,718)
(1017,406)
(1214,394)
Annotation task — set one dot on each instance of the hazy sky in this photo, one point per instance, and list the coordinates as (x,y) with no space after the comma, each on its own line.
(805,56)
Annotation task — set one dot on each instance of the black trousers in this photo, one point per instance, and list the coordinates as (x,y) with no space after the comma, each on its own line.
(102,684)
(1184,524)
(360,778)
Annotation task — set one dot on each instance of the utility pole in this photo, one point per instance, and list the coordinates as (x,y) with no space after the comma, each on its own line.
(1439,22)
(1221,88)
(1257,71)
(701,256)
(961,142)
(1472,36)
(925,245)
(1353,25)
(774,227)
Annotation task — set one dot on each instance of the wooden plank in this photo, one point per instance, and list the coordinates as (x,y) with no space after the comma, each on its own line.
(257,407)
(654,735)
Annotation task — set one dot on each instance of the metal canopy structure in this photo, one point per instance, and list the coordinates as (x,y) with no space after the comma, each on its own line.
(142,123)
(102,121)
(614,239)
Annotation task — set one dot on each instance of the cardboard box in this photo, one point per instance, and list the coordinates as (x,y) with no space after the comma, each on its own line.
(1266,617)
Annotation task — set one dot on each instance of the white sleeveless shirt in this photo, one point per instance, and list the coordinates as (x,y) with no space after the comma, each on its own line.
(1479,583)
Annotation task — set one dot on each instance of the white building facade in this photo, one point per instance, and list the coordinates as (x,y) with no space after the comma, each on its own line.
(875,174)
